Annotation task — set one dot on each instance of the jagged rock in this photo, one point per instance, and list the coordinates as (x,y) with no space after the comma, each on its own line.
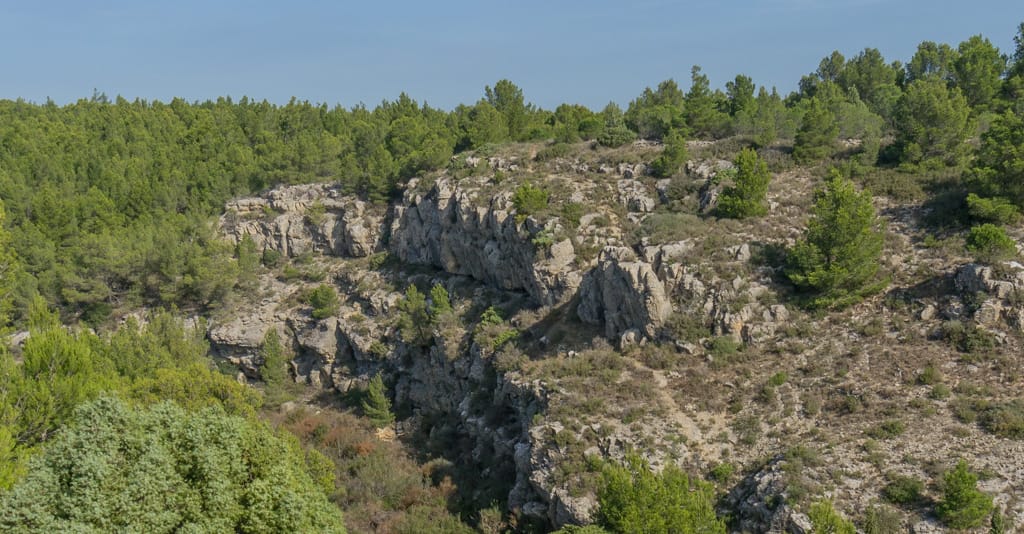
(755,501)
(928,313)
(623,293)
(634,196)
(661,186)
(707,169)
(305,218)
(447,229)
(709,196)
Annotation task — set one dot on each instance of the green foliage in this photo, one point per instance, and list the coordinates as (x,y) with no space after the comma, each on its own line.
(274,366)
(672,157)
(837,259)
(439,302)
(656,112)
(962,505)
(990,244)
(703,108)
(903,490)
(414,321)
(1005,419)
(507,99)
(998,170)
(978,70)
(529,200)
(634,499)
(816,138)
(166,470)
(375,404)
(747,196)
(324,300)
(886,429)
(827,520)
(967,337)
(991,210)
(932,123)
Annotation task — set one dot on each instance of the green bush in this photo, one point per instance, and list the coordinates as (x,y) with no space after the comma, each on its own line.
(672,157)
(746,198)
(616,136)
(991,210)
(886,429)
(118,469)
(529,200)
(634,499)
(962,505)
(1005,419)
(826,519)
(324,300)
(990,244)
(903,490)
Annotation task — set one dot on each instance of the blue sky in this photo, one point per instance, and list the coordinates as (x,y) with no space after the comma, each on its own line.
(588,52)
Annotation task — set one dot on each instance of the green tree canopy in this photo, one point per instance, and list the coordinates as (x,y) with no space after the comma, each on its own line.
(837,259)
(962,505)
(816,139)
(932,123)
(747,196)
(979,68)
(165,470)
(634,499)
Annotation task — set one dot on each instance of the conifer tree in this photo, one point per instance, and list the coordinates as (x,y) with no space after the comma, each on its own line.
(963,506)
(816,138)
(746,198)
(837,259)
(376,405)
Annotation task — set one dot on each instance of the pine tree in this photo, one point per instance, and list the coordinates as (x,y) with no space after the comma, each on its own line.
(963,505)
(837,259)
(816,138)
(746,198)
(439,301)
(376,405)
(672,157)
(414,322)
(274,369)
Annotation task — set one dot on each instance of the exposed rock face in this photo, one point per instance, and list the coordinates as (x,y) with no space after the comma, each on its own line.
(759,503)
(1003,287)
(624,294)
(448,228)
(305,218)
(634,196)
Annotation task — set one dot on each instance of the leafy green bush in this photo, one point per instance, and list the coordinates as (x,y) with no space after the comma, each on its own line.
(274,366)
(990,244)
(1005,419)
(324,300)
(746,198)
(991,210)
(167,470)
(886,429)
(529,200)
(634,499)
(904,490)
(967,337)
(672,157)
(962,505)
(616,136)
(826,519)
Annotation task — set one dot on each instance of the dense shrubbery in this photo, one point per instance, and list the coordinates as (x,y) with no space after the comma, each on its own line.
(746,197)
(962,505)
(167,470)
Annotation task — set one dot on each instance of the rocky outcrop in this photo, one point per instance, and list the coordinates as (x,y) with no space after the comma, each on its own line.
(624,294)
(451,229)
(759,503)
(294,220)
(1002,289)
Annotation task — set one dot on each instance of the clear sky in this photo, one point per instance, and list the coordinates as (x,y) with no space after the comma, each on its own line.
(445,52)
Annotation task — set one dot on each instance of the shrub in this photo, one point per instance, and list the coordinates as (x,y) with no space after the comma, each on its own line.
(272,258)
(274,369)
(324,300)
(826,519)
(887,429)
(634,499)
(967,337)
(1005,419)
(904,490)
(990,244)
(746,198)
(529,200)
(119,469)
(962,505)
(414,322)
(616,136)
(672,157)
(991,210)
(722,472)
